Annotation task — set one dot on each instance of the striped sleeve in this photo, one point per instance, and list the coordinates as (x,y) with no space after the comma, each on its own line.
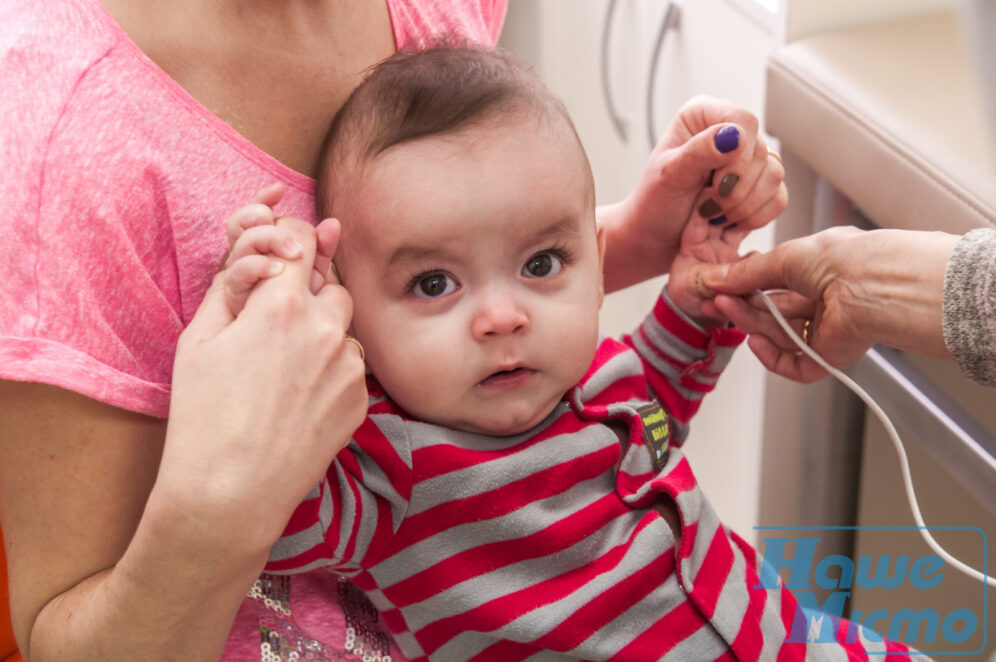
(682,359)
(349,518)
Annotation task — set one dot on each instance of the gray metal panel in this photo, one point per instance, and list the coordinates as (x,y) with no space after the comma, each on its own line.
(948,433)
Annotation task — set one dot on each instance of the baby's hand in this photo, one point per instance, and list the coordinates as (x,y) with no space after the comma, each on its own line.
(701,243)
(255,239)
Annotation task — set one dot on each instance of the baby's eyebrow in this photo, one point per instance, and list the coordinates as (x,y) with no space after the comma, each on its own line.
(416,253)
(567,227)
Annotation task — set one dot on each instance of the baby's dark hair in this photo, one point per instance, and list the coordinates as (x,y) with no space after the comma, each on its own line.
(414,94)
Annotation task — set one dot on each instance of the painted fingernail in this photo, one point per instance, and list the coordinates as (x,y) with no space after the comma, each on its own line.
(710,208)
(727,183)
(719,220)
(727,139)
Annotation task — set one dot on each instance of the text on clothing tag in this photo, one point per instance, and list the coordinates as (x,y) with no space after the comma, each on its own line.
(656,433)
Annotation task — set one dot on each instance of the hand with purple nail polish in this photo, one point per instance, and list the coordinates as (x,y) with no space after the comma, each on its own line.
(712,164)
(727,139)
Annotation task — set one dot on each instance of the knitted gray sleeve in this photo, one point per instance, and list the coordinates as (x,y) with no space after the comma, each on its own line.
(969,308)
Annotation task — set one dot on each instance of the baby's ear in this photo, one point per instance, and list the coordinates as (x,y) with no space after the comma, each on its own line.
(600,240)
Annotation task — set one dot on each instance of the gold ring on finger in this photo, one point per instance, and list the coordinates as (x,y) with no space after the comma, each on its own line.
(359,346)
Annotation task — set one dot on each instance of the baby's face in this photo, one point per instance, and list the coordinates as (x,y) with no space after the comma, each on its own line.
(475,272)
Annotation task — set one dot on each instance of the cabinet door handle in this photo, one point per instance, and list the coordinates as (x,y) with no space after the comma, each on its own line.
(672,19)
(618,122)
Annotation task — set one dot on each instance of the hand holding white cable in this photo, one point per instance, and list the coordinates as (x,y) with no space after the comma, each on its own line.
(893,435)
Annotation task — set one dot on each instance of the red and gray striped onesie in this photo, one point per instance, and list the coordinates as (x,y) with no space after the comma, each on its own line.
(545,545)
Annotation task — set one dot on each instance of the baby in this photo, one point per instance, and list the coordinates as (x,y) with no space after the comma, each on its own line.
(516,490)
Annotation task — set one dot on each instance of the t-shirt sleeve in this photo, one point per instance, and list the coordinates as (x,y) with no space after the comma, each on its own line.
(682,360)
(349,519)
(89,300)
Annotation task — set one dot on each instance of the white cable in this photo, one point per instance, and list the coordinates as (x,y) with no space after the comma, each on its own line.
(893,435)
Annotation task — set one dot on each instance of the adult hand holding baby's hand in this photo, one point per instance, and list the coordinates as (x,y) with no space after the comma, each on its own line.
(264,401)
(819,304)
(255,238)
(711,163)
(850,288)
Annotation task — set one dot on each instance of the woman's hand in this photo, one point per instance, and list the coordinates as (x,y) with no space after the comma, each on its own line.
(711,164)
(849,288)
(264,401)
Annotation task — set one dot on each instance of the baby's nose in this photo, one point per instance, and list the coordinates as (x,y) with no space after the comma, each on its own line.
(499,314)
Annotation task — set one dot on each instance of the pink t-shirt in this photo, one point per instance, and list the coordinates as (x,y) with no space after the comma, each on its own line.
(115,188)
(116,185)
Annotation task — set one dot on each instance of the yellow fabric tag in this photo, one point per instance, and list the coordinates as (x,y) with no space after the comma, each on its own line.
(656,433)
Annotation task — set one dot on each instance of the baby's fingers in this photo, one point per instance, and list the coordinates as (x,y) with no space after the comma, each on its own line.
(266,240)
(250,216)
(270,195)
(243,274)
(258,212)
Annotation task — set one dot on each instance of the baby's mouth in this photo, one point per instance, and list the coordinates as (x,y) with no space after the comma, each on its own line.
(508,378)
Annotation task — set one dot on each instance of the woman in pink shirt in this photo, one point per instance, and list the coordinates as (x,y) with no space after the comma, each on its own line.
(131,129)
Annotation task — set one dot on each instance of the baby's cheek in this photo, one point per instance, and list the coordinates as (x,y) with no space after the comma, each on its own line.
(580,340)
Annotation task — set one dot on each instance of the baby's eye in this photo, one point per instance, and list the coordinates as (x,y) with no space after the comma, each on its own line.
(542,265)
(434,286)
